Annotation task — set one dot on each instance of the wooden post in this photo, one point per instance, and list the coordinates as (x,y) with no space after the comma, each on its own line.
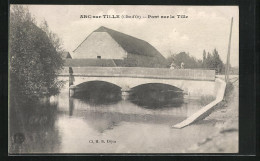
(71,80)
(228,54)
(72,91)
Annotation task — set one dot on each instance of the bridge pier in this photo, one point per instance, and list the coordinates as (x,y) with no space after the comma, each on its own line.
(125,93)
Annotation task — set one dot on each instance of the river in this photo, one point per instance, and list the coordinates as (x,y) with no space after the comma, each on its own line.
(98,120)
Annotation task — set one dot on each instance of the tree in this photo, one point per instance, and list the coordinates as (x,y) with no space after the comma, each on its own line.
(217,62)
(34,59)
(209,61)
(55,40)
(189,61)
(204,59)
(213,61)
(170,58)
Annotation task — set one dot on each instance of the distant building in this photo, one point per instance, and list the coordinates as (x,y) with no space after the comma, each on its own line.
(124,50)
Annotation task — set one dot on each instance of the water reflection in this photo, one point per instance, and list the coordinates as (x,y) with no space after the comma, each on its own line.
(71,106)
(112,111)
(106,109)
(36,124)
(106,120)
(98,112)
(156,96)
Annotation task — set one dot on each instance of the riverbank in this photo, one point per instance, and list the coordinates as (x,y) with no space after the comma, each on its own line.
(225,120)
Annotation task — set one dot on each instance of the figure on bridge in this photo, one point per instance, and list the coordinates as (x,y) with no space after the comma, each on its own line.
(182,65)
(173,65)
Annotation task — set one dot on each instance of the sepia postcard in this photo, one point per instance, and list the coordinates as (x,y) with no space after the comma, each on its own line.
(117,79)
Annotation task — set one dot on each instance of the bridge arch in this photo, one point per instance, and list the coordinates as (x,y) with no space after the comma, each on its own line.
(191,87)
(96,92)
(100,82)
(163,85)
(126,83)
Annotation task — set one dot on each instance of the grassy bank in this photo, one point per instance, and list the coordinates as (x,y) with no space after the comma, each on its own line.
(225,119)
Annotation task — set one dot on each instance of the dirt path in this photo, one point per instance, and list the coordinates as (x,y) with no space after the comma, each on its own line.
(225,119)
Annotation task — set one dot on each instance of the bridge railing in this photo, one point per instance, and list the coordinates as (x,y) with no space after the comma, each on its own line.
(138,72)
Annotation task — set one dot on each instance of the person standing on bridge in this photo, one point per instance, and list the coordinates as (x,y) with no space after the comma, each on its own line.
(172,66)
(182,65)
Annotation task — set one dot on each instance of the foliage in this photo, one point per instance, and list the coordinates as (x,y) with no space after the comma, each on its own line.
(209,61)
(56,42)
(189,61)
(213,61)
(204,65)
(34,59)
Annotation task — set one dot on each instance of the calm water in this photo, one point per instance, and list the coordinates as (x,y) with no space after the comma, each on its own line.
(98,120)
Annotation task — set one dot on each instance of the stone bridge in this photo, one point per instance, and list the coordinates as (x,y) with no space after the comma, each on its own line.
(191,81)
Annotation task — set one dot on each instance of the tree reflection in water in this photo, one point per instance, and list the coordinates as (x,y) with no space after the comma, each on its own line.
(35,122)
(156,96)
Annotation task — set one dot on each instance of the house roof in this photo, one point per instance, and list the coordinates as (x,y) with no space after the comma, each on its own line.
(130,44)
(66,55)
(89,62)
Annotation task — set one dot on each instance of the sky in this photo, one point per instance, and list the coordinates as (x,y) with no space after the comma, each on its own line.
(205,28)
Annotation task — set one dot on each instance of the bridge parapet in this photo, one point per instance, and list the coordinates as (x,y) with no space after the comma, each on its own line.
(137,72)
